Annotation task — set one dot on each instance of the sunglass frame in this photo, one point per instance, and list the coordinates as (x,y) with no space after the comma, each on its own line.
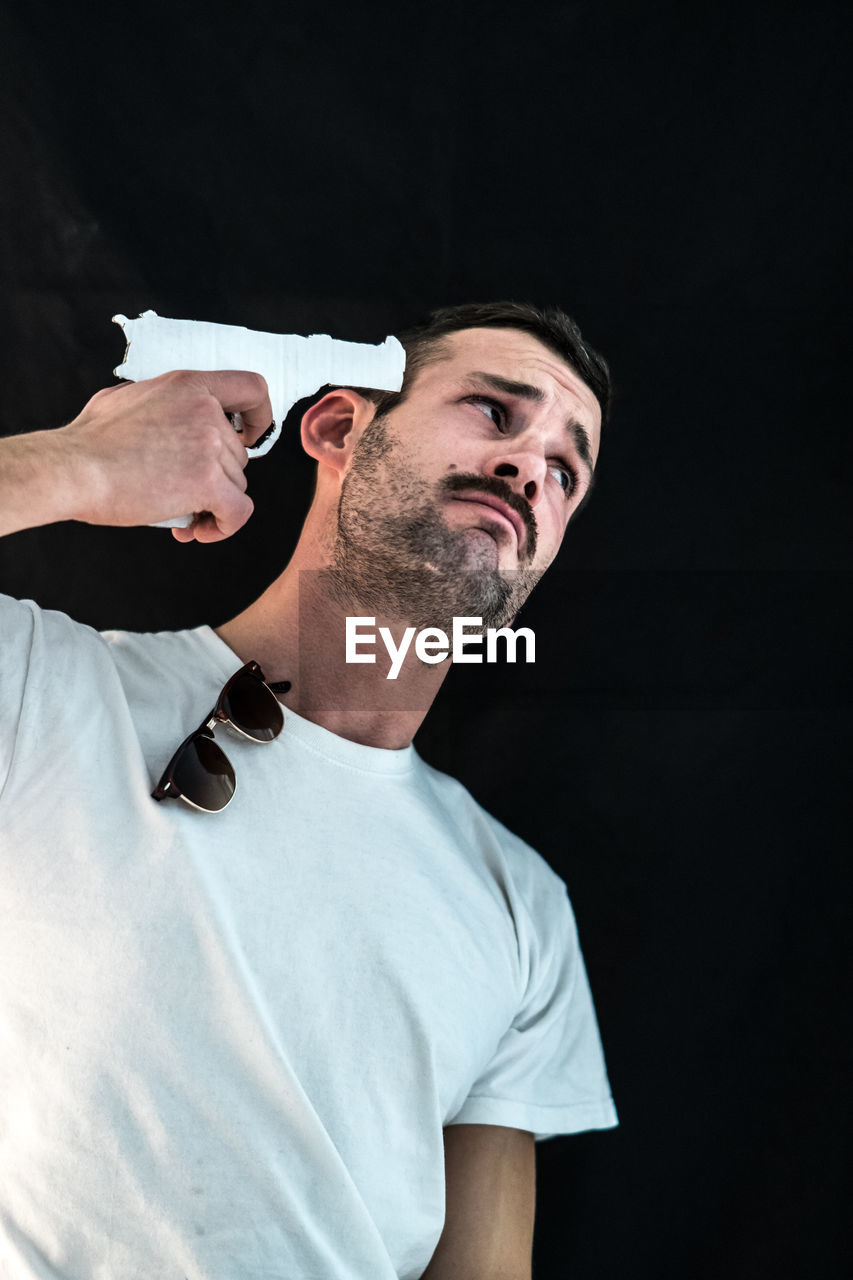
(166,788)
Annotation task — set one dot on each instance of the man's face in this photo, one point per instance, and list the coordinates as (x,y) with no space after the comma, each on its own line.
(457,501)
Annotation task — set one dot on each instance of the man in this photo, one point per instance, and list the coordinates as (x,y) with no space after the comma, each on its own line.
(315,1032)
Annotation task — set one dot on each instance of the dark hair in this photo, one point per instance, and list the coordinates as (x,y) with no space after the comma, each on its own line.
(424,344)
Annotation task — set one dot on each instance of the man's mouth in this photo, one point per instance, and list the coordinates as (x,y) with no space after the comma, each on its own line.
(498,510)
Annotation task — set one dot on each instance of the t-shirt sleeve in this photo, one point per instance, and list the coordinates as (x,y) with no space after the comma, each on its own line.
(49,666)
(17,625)
(547,1074)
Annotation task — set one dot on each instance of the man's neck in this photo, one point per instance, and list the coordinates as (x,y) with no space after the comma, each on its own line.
(297,631)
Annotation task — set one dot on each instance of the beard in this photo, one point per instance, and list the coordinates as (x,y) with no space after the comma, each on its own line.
(396,556)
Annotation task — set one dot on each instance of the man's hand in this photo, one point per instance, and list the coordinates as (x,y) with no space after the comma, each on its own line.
(147,451)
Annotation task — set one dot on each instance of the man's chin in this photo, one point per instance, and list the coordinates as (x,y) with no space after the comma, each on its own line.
(482,552)
(475,593)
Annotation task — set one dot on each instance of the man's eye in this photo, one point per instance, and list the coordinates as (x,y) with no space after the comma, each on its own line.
(491,407)
(565,479)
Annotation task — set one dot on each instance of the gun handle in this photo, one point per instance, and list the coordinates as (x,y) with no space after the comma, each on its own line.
(258,450)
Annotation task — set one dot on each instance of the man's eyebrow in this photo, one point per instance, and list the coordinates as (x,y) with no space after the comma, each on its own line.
(526,391)
(580,435)
(523,390)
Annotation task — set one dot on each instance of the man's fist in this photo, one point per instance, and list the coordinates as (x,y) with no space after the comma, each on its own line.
(140,452)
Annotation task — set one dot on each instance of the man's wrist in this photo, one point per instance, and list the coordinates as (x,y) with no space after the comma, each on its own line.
(75,475)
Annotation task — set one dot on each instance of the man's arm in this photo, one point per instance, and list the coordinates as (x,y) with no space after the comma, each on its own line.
(138,453)
(490,1173)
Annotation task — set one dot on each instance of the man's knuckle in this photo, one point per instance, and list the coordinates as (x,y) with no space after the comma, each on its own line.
(202,406)
(175,377)
(202,428)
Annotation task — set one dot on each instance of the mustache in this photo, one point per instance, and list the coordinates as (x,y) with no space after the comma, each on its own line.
(497,488)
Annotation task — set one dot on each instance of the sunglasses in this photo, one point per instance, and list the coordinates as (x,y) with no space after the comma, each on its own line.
(199,772)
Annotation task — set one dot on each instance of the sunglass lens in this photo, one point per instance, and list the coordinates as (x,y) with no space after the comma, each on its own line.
(253,709)
(203,775)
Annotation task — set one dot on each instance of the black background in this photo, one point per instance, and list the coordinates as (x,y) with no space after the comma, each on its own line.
(673,177)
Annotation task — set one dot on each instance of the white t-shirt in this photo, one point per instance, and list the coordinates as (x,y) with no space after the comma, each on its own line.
(229,1043)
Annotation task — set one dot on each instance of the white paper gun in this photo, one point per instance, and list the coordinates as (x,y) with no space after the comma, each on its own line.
(292,365)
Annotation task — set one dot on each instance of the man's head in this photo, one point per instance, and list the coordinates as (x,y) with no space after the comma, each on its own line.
(451,497)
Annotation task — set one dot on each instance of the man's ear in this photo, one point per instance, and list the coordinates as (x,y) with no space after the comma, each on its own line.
(332,427)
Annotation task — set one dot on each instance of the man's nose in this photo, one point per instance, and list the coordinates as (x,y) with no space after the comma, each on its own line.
(524,471)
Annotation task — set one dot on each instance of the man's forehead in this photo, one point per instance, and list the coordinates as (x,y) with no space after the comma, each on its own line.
(518,356)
